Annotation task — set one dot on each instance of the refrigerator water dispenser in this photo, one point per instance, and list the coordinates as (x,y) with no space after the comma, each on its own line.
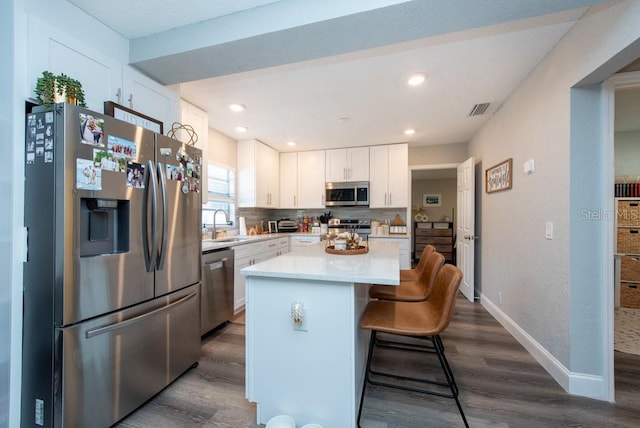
(104,226)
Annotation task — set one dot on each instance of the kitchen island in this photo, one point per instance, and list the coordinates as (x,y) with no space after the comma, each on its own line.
(312,371)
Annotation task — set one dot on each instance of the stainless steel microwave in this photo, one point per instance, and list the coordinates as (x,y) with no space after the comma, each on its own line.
(354,193)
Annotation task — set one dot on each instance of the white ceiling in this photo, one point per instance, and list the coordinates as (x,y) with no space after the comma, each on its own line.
(359,96)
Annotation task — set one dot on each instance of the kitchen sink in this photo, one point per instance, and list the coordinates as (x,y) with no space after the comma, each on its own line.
(230,239)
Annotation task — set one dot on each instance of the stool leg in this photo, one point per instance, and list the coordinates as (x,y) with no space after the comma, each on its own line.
(437,342)
(449,375)
(372,341)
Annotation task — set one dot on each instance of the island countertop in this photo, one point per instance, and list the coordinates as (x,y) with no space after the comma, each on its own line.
(380,265)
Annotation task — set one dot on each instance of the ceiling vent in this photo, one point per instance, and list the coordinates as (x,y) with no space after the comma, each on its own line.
(479,109)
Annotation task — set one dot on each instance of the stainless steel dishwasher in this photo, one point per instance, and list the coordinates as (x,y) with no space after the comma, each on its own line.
(216,304)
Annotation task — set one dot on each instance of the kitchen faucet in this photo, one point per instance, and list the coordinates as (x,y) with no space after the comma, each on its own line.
(226,216)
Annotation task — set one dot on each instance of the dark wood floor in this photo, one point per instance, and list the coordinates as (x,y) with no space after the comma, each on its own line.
(501,386)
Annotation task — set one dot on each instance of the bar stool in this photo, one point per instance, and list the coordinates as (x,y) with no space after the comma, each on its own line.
(412,291)
(413,274)
(418,320)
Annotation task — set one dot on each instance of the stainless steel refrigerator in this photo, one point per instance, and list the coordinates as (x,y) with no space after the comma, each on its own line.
(111,282)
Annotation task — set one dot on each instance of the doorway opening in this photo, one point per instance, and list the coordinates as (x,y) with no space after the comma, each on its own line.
(626,308)
(432,219)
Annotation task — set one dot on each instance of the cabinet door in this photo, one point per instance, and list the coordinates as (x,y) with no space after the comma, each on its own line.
(199,120)
(336,165)
(379,176)
(311,182)
(263,163)
(239,282)
(273,178)
(258,175)
(358,164)
(351,164)
(51,48)
(398,176)
(246,173)
(288,180)
(148,97)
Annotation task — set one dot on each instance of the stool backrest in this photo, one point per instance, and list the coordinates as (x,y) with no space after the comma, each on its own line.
(442,300)
(427,278)
(422,263)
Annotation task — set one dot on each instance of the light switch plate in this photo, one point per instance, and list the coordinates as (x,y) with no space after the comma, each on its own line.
(529,167)
(549,230)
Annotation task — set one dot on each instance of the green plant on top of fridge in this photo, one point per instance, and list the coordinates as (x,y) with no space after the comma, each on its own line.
(51,89)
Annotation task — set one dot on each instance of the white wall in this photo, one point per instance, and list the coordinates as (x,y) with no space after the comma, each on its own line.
(627,156)
(438,154)
(222,149)
(552,290)
(6,194)
(12,90)
(446,187)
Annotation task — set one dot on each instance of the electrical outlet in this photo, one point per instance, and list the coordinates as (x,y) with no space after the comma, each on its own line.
(500,297)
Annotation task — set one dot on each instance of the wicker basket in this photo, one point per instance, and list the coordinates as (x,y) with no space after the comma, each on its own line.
(628,240)
(362,249)
(628,213)
(630,268)
(630,295)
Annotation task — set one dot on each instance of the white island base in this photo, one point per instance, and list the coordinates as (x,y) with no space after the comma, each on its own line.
(312,371)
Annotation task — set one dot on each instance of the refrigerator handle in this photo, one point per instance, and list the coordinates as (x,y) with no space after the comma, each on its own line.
(163,238)
(121,324)
(149,183)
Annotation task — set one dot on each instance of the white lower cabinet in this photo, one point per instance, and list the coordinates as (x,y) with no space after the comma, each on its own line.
(403,244)
(304,240)
(250,254)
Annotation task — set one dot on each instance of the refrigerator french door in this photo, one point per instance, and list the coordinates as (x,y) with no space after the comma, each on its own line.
(111,282)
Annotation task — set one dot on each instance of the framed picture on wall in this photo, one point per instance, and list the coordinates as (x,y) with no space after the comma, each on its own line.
(499,176)
(432,200)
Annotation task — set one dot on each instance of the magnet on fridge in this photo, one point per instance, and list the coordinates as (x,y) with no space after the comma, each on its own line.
(185,186)
(165,151)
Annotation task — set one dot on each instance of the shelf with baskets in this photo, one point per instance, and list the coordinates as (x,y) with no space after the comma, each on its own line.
(628,251)
(438,234)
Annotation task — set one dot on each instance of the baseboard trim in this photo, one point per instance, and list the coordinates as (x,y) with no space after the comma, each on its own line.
(581,384)
(239,306)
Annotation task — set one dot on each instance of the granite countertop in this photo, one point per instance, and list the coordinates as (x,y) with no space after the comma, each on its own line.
(380,265)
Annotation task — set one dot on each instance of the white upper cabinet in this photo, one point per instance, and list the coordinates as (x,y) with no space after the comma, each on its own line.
(103,77)
(351,164)
(146,96)
(389,178)
(258,175)
(199,121)
(311,179)
(289,180)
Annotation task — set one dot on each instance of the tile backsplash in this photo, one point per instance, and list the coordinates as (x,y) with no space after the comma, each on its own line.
(254,216)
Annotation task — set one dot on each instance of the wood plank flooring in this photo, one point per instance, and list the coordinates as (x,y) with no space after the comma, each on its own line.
(501,386)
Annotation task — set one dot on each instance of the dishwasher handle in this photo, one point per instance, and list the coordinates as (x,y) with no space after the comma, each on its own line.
(215,264)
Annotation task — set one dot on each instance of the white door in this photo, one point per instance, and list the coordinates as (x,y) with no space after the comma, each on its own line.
(465,233)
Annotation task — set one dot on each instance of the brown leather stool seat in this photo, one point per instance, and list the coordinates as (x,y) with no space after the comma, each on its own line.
(412,291)
(417,320)
(413,274)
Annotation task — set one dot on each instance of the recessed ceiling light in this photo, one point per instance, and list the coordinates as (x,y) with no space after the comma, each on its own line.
(242,128)
(291,143)
(416,79)
(409,131)
(237,107)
